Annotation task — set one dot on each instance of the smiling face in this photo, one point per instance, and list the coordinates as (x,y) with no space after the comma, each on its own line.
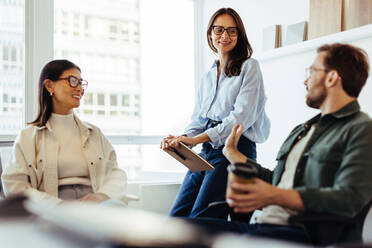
(65,98)
(224,43)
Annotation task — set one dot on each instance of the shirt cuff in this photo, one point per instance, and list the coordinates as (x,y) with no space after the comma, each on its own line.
(308,195)
(191,134)
(215,137)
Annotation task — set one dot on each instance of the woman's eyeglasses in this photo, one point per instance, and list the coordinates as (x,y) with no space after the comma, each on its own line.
(74,82)
(231,31)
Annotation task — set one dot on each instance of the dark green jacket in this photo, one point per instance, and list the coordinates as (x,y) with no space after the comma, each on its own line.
(334,173)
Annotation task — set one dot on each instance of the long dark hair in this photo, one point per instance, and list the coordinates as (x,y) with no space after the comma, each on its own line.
(241,52)
(52,71)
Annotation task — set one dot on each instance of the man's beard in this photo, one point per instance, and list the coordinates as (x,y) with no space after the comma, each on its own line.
(315,101)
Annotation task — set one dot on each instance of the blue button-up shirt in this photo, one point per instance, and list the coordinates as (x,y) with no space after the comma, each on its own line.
(232,100)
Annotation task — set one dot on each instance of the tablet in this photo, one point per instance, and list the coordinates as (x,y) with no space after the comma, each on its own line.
(189,158)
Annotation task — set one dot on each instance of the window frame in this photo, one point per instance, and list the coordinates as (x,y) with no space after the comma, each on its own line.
(39,49)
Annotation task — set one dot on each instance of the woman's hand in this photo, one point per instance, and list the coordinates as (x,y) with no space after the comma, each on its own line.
(95,197)
(230,150)
(174,141)
(165,142)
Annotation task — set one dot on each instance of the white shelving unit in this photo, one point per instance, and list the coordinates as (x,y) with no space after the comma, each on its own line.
(283,71)
(345,36)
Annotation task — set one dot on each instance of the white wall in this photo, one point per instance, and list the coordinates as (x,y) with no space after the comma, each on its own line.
(286,107)
(284,74)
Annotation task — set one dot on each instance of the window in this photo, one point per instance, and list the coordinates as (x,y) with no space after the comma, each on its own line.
(88,99)
(88,112)
(12,74)
(113,100)
(101,99)
(14,54)
(125,100)
(132,69)
(5,98)
(5,53)
(137,101)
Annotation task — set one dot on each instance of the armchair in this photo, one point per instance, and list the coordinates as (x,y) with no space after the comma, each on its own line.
(323,229)
(326,229)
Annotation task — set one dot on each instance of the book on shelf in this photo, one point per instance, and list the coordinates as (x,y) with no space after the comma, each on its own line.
(296,33)
(272,37)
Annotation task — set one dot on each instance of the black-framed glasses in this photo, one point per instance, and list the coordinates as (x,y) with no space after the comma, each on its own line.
(231,31)
(309,71)
(74,82)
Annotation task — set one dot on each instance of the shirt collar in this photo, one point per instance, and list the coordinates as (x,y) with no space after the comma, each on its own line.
(347,110)
(215,67)
(215,63)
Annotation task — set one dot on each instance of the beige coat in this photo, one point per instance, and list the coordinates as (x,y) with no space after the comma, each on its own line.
(32,168)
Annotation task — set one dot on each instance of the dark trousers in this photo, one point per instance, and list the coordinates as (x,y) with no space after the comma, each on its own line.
(201,188)
(217,226)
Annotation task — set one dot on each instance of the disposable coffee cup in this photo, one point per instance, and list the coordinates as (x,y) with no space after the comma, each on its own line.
(240,173)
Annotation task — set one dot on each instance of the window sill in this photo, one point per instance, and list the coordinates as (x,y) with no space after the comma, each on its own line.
(157,177)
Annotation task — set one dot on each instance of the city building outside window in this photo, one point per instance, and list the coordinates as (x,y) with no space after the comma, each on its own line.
(138,57)
(12,74)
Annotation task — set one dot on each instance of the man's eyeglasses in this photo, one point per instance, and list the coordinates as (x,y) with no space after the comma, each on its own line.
(310,71)
(74,82)
(231,31)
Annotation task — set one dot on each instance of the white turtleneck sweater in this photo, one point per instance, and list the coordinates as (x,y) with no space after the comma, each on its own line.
(72,165)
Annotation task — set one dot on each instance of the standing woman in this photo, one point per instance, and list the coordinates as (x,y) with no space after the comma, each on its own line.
(58,157)
(230,92)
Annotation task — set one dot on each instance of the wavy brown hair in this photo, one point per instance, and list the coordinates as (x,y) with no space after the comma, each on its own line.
(242,50)
(350,62)
(52,71)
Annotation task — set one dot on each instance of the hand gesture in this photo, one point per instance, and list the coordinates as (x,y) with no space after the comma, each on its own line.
(230,150)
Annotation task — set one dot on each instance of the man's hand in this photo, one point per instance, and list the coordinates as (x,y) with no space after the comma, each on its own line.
(258,194)
(230,150)
(94,197)
(254,195)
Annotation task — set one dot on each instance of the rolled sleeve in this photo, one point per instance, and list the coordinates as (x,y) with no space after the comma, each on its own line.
(215,137)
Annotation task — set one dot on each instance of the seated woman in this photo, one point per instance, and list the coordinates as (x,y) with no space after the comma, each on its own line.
(57,156)
(232,91)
